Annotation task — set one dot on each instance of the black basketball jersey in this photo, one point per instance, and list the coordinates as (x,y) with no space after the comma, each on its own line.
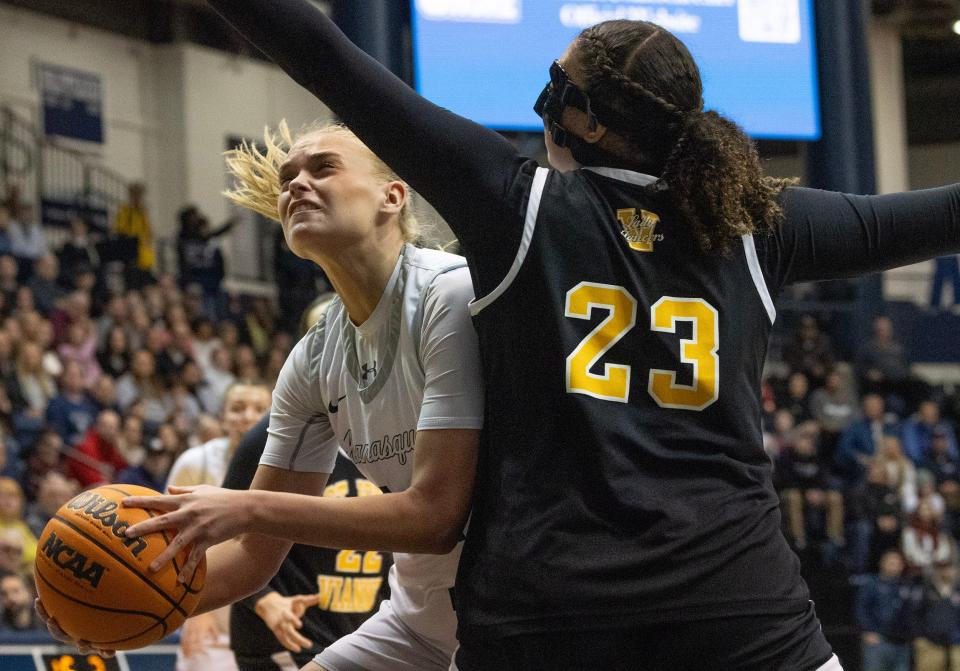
(350,584)
(622,477)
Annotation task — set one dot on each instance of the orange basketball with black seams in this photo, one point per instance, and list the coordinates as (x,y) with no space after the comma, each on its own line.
(95,582)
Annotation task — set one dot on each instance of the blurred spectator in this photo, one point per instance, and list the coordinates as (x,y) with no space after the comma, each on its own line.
(104,394)
(199,260)
(54,490)
(810,352)
(73,309)
(27,240)
(204,342)
(945,468)
(141,383)
(71,412)
(219,378)
(6,246)
(158,343)
(11,519)
(43,284)
(30,390)
(78,252)
(258,325)
(80,347)
(796,397)
(207,464)
(45,457)
(6,354)
(861,440)
(132,440)
(9,270)
(777,438)
(882,613)
(927,492)
(153,471)
(834,406)
(97,457)
(114,357)
(946,270)
(925,543)
(937,645)
(803,483)
(901,473)
(132,221)
(11,550)
(10,465)
(884,369)
(883,357)
(874,524)
(918,432)
(16,598)
(208,428)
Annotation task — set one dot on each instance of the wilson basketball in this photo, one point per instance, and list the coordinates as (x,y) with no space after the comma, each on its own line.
(95,582)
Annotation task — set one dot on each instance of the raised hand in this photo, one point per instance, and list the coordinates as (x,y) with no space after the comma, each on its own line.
(202,516)
(283,614)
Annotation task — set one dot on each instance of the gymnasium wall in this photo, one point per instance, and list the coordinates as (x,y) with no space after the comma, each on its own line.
(167,109)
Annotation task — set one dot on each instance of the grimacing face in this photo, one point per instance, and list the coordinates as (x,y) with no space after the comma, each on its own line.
(330,193)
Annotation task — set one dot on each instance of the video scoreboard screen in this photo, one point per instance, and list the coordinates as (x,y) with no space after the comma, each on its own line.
(487,59)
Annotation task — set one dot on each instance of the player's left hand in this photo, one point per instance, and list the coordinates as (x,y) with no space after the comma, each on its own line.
(202,516)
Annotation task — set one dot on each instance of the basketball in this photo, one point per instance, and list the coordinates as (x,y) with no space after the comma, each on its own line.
(95,582)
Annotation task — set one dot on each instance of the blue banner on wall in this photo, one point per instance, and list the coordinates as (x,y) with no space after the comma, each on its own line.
(72,102)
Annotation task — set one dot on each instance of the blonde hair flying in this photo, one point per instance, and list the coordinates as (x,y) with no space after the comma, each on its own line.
(258,172)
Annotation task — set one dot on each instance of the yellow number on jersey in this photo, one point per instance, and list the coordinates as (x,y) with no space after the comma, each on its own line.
(349,561)
(614,383)
(700,351)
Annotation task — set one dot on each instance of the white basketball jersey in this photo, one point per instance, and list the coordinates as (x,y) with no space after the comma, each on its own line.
(412,365)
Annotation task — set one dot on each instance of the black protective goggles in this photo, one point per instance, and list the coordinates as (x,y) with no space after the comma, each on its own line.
(556,95)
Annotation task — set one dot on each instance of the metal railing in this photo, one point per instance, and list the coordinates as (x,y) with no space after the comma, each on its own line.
(62,180)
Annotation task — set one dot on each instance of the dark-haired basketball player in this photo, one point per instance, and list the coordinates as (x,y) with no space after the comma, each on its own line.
(624,516)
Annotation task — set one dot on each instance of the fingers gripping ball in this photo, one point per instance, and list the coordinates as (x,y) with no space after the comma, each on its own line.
(94,581)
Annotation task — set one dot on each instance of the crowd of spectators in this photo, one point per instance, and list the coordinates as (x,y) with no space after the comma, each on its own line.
(867,467)
(110,371)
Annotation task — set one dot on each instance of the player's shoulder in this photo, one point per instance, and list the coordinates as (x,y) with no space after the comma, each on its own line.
(433,272)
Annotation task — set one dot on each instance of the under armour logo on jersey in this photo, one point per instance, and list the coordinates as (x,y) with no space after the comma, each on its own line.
(369,370)
(639,229)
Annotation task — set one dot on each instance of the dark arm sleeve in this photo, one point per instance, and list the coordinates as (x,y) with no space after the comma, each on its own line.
(826,235)
(240,472)
(464,170)
(243,464)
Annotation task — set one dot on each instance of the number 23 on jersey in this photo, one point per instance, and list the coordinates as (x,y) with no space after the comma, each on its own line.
(613,384)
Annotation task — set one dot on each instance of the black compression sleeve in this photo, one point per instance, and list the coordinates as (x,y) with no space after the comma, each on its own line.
(243,464)
(827,235)
(463,169)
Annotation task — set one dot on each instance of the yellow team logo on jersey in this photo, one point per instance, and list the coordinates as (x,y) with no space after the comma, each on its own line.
(639,228)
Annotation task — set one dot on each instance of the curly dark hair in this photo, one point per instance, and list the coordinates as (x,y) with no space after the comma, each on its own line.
(648,88)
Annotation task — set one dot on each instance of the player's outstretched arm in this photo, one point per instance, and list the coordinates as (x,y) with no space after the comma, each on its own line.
(242,561)
(828,235)
(427,517)
(460,167)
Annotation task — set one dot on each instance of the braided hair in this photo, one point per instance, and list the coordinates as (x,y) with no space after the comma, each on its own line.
(649,87)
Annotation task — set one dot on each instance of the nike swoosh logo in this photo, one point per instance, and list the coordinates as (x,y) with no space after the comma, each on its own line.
(333,408)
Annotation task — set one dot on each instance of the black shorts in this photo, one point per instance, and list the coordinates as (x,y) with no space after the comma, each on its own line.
(791,642)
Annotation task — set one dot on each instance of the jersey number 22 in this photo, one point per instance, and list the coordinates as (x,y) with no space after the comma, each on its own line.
(699,351)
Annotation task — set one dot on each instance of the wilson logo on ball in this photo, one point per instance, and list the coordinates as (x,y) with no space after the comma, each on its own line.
(69,559)
(103,510)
